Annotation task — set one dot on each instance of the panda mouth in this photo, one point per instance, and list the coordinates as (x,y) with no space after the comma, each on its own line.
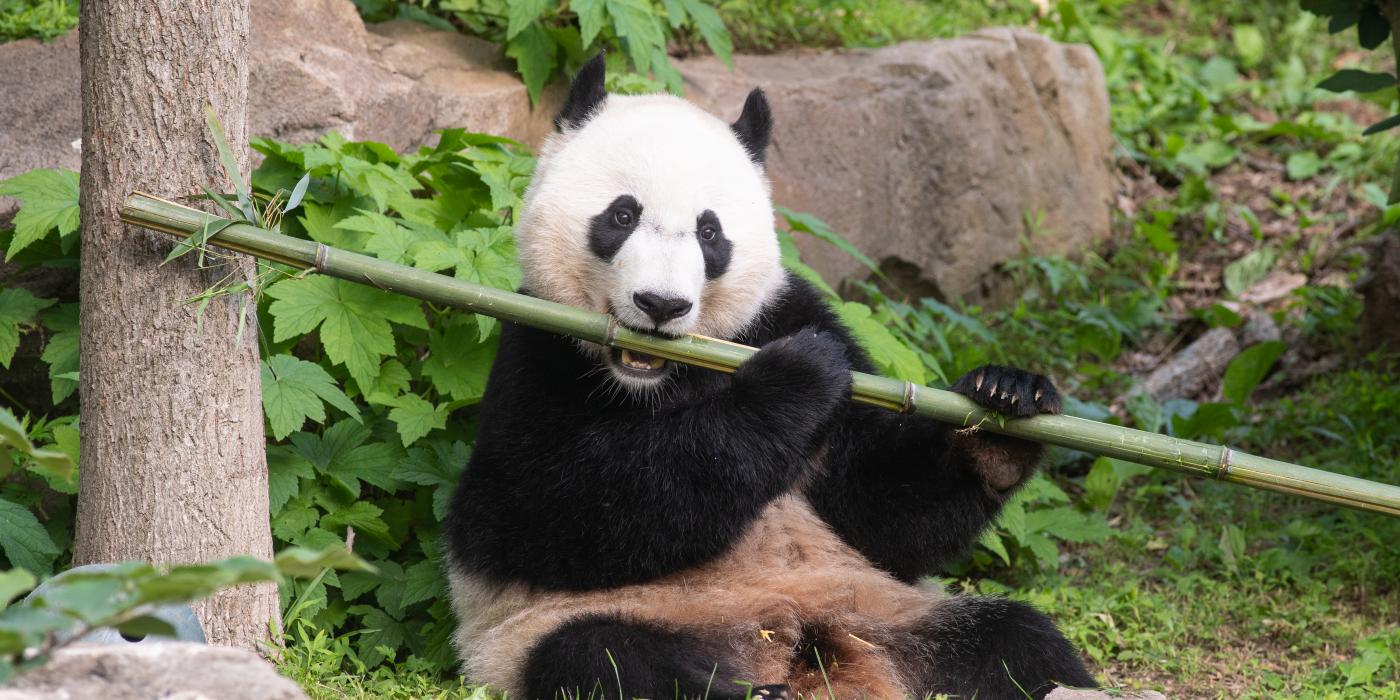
(637,362)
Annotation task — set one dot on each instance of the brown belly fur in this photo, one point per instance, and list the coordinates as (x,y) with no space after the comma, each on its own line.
(789,571)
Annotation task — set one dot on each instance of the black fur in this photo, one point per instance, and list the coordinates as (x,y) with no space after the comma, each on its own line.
(586,93)
(576,485)
(605,236)
(754,127)
(993,648)
(716,250)
(590,657)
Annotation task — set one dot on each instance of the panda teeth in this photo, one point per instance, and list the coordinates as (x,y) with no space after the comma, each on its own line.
(641,361)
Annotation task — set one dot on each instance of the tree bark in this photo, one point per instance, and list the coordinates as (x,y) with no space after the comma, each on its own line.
(173,467)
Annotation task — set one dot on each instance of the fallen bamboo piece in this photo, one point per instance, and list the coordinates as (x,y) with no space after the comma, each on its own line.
(1093,437)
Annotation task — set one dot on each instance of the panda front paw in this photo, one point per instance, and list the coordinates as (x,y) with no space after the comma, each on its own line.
(1009,391)
(771,692)
(809,367)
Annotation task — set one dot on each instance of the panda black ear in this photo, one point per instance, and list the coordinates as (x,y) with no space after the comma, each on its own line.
(754,126)
(585,94)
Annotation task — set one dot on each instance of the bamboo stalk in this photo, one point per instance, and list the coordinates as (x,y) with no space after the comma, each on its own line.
(1151,449)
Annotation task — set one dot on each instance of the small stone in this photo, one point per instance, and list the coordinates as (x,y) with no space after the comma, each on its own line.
(1082,694)
(139,672)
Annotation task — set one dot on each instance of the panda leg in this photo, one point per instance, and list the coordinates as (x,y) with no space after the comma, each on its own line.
(993,648)
(591,657)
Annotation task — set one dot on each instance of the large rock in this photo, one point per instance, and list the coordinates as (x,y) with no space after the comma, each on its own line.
(141,672)
(932,157)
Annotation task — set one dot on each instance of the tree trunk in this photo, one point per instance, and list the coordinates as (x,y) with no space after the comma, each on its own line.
(173,461)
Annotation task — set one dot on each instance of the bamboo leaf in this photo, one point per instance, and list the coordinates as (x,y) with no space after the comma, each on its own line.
(216,130)
(1386,124)
(298,193)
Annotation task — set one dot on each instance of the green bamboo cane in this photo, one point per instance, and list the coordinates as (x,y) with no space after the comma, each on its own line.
(1151,449)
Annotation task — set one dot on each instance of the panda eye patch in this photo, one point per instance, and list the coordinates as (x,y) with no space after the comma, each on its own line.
(611,227)
(708,233)
(713,245)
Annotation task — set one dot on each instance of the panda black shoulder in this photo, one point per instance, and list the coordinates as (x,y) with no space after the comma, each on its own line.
(799,304)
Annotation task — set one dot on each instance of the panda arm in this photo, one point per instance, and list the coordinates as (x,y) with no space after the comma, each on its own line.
(567,492)
(908,492)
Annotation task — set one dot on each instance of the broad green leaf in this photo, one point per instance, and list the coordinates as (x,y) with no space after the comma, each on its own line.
(637,24)
(24,541)
(386,239)
(353,320)
(13,584)
(792,260)
(381,631)
(1372,28)
(1249,44)
(48,202)
(1351,79)
(17,308)
(285,470)
(891,355)
(522,13)
(1248,369)
(143,626)
(1242,274)
(422,581)
(1302,165)
(458,363)
(61,352)
(536,56)
(811,225)
(416,417)
(361,515)
(711,26)
(344,454)
(294,389)
(590,19)
(306,563)
(992,542)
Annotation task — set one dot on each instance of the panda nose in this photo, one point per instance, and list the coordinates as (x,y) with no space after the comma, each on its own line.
(661,309)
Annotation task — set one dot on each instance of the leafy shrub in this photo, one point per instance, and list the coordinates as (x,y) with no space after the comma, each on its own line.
(546,37)
(38,19)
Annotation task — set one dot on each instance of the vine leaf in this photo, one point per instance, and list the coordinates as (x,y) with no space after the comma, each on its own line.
(294,390)
(49,201)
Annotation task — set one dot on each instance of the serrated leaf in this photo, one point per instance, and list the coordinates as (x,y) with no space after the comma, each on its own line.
(61,352)
(536,56)
(363,516)
(1249,368)
(991,541)
(285,470)
(415,417)
(380,632)
(1351,79)
(636,23)
(294,389)
(590,19)
(422,581)
(522,12)
(48,202)
(17,307)
(1068,524)
(711,27)
(24,541)
(353,320)
(458,363)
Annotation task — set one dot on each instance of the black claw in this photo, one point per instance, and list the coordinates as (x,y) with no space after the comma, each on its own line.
(771,692)
(1009,391)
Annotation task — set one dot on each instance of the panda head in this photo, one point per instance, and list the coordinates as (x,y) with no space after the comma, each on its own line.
(650,209)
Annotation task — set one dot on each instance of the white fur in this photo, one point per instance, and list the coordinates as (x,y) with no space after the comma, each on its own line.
(677,161)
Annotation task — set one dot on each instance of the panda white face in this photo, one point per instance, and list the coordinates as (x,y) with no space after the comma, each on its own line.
(652,210)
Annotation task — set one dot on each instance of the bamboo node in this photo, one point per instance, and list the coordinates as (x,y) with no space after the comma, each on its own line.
(1223,470)
(612,331)
(323,252)
(910,393)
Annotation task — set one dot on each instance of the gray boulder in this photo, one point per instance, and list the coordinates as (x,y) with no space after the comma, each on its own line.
(931,157)
(141,672)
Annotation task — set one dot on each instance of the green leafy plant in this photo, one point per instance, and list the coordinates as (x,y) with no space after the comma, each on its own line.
(38,19)
(125,596)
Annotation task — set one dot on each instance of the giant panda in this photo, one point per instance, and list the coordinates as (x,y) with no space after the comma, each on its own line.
(629,527)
